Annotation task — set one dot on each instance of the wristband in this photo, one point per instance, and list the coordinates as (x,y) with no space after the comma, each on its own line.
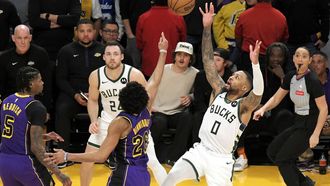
(66,156)
(162,51)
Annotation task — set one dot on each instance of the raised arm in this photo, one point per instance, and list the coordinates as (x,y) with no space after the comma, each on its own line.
(207,50)
(154,81)
(250,102)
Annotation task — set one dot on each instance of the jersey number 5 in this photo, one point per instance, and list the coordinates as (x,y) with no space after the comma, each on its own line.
(8,129)
(140,144)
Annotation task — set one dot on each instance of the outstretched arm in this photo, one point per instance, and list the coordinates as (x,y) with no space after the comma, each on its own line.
(154,81)
(250,102)
(207,50)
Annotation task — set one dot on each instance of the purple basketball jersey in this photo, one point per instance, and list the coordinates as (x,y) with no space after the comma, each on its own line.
(15,127)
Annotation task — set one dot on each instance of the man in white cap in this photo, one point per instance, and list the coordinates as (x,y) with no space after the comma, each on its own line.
(173,99)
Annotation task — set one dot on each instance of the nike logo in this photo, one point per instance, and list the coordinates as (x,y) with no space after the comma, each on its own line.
(75,55)
(104,82)
(14,63)
(228,163)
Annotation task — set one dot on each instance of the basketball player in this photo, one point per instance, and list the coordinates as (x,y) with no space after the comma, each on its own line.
(127,133)
(310,113)
(224,120)
(22,133)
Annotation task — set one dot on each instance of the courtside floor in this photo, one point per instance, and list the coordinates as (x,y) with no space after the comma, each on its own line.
(252,176)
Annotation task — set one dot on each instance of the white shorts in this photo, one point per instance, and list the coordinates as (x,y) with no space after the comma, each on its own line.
(96,140)
(217,168)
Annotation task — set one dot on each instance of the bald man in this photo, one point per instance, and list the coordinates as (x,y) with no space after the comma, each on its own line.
(24,54)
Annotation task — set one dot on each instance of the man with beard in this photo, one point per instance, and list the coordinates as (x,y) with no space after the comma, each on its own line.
(74,64)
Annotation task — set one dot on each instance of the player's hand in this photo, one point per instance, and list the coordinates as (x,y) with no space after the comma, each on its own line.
(52,136)
(56,157)
(254,52)
(185,100)
(207,15)
(94,128)
(313,140)
(163,43)
(259,113)
(64,179)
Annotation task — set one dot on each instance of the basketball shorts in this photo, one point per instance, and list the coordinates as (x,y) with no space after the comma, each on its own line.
(217,168)
(23,170)
(128,175)
(97,139)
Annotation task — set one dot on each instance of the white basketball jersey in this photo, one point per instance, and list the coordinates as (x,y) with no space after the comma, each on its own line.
(221,126)
(109,91)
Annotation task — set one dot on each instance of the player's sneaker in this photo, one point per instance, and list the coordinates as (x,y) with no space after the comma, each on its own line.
(240,164)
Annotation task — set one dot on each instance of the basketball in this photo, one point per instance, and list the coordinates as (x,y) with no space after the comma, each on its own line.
(181,7)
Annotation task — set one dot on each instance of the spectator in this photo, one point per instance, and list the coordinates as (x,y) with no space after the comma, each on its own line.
(150,24)
(24,54)
(75,62)
(253,24)
(8,20)
(91,9)
(110,32)
(308,23)
(194,31)
(224,27)
(111,11)
(130,11)
(203,90)
(174,96)
(52,23)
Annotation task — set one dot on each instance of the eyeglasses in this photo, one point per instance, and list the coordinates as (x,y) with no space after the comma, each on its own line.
(109,31)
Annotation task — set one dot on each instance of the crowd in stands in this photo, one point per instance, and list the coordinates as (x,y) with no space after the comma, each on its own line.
(65,41)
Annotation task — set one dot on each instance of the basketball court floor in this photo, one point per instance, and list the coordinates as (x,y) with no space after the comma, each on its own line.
(252,176)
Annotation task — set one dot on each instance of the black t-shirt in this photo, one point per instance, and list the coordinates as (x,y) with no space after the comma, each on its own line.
(36,113)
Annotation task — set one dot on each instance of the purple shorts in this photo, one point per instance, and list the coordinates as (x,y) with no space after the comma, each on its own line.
(128,175)
(19,170)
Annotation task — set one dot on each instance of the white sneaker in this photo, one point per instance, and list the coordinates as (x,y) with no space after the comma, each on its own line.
(240,164)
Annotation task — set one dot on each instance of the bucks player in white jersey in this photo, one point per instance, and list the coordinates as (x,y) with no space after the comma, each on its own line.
(106,82)
(224,120)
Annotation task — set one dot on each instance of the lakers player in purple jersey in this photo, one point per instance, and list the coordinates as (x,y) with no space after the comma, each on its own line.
(22,133)
(128,132)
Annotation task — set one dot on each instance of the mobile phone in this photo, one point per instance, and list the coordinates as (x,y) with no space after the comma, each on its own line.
(84,96)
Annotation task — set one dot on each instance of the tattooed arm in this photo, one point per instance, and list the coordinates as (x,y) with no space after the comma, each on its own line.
(36,113)
(212,76)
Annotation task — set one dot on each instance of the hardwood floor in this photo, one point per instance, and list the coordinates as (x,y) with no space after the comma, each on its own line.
(252,176)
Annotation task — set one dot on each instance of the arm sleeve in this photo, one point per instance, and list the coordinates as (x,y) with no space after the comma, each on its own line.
(70,19)
(124,8)
(287,80)
(34,11)
(258,81)
(36,113)
(218,30)
(315,89)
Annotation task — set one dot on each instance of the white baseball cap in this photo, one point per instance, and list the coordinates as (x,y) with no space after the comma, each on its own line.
(184,47)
